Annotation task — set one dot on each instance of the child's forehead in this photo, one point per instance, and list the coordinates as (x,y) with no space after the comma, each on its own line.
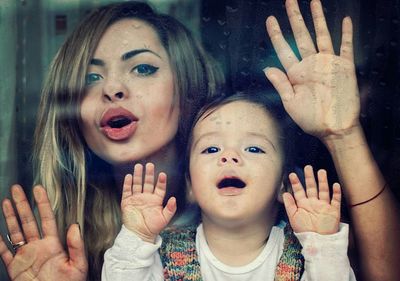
(236,115)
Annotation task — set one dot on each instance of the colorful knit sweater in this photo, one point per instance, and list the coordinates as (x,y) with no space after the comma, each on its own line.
(180,261)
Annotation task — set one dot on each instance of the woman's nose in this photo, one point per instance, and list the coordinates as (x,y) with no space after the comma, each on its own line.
(114,96)
(114,90)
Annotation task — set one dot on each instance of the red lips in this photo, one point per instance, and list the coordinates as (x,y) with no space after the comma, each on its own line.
(118,124)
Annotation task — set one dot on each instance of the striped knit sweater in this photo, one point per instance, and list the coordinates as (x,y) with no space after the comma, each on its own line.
(180,261)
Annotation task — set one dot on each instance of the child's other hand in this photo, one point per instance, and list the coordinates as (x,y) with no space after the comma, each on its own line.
(319,91)
(141,203)
(313,211)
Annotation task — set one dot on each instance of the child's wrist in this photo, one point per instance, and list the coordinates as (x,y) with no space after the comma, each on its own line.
(144,237)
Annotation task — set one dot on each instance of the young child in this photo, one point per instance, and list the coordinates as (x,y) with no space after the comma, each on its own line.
(236,175)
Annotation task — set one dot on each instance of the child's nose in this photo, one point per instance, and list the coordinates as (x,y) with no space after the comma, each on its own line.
(230,157)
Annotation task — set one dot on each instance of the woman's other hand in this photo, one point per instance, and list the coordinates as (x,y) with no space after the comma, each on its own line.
(39,255)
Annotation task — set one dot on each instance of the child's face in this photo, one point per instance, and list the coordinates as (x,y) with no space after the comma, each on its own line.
(130,110)
(236,163)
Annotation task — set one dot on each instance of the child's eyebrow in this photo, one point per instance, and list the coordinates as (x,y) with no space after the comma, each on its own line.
(208,134)
(264,137)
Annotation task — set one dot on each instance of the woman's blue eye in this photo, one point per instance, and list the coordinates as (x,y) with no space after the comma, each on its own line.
(92,78)
(211,149)
(254,149)
(145,69)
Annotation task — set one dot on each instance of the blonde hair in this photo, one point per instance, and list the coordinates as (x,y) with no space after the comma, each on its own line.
(79,184)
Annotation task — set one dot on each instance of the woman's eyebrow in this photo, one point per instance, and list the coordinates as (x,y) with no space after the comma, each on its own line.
(124,57)
(98,62)
(133,53)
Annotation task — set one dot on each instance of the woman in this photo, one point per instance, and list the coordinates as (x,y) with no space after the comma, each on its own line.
(63,142)
(121,90)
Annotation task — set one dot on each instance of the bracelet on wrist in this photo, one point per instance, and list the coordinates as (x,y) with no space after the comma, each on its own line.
(370,199)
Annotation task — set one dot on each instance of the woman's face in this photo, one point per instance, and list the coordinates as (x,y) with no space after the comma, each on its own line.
(130,110)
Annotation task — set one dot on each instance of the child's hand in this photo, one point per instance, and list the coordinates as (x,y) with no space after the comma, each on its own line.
(141,203)
(314,211)
(319,91)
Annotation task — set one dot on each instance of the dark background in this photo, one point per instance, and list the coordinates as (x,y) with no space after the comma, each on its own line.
(234,33)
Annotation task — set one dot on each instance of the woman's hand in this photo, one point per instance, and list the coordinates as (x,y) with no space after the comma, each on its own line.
(313,211)
(319,91)
(42,257)
(141,203)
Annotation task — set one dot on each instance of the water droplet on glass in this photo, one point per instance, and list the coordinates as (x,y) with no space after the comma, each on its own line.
(231,9)
(221,22)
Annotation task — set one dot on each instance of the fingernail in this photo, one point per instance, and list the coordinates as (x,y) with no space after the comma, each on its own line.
(266,69)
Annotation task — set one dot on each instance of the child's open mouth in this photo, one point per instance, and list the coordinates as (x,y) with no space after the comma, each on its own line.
(231,182)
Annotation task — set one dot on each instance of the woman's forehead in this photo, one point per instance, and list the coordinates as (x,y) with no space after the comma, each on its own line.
(127,34)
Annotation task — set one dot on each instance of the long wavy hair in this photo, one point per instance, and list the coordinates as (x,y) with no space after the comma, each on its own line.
(80,185)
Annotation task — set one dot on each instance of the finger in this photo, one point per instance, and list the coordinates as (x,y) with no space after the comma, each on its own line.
(161,185)
(290,204)
(297,187)
(5,253)
(137,178)
(346,48)
(336,196)
(26,217)
(47,219)
(148,185)
(311,185)
(324,41)
(13,227)
(303,38)
(281,83)
(127,186)
(76,248)
(323,187)
(282,48)
(170,209)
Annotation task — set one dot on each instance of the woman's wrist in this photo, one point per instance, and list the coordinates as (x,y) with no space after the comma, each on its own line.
(348,139)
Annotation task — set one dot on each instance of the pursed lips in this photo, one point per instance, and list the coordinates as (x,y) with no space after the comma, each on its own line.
(118,123)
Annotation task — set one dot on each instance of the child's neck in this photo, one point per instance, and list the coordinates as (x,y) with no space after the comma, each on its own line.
(238,245)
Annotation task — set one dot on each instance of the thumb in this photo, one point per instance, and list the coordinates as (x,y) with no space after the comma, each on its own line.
(170,209)
(76,248)
(280,82)
(290,204)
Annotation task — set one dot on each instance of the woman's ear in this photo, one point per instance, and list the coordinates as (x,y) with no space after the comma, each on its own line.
(189,192)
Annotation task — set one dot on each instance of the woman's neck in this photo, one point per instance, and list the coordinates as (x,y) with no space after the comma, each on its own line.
(165,160)
(238,245)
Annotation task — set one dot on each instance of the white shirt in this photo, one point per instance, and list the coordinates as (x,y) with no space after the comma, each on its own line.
(131,258)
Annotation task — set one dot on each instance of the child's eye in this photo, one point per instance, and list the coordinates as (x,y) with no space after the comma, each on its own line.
(92,78)
(254,149)
(144,69)
(211,149)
